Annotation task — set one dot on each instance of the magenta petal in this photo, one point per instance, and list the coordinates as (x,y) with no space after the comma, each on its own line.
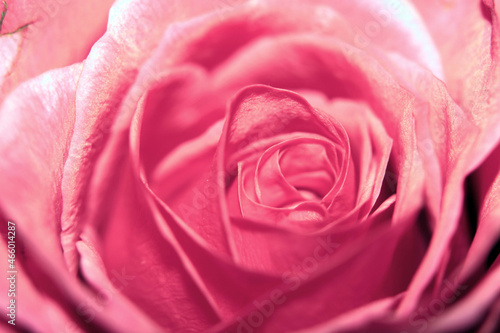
(134,242)
(358,319)
(111,297)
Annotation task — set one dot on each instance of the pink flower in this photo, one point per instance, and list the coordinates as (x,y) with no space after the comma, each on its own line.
(250,166)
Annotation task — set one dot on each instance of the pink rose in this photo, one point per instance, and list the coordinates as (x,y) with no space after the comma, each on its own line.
(250,166)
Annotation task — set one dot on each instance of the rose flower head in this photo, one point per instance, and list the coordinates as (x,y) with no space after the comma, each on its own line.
(250,166)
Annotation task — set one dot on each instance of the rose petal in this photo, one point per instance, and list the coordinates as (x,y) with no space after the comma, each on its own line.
(412,158)
(394,27)
(102,88)
(111,297)
(304,284)
(491,322)
(282,112)
(34,148)
(450,145)
(197,205)
(370,146)
(193,252)
(464,33)
(281,247)
(466,313)
(69,27)
(77,306)
(488,228)
(331,65)
(29,314)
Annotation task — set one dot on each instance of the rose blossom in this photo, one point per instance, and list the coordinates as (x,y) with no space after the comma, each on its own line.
(251,166)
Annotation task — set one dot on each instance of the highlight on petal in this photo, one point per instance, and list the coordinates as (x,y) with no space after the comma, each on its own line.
(392,26)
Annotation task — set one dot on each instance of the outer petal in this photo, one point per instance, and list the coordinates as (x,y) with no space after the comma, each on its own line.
(29,315)
(462,32)
(34,153)
(103,84)
(467,313)
(487,178)
(37,120)
(459,143)
(358,319)
(84,306)
(59,33)
(394,26)
(133,32)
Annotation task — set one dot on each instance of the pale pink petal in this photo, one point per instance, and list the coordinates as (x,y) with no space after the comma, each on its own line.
(37,121)
(103,84)
(58,34)
(462,32)
(451,145)
(394,26)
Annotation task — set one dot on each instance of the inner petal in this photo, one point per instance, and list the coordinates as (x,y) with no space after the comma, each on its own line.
(307,168)
(271,186)
(294,171)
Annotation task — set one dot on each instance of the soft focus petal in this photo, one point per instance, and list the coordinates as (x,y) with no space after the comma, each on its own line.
(472,308)
(487,178)
(29,315)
